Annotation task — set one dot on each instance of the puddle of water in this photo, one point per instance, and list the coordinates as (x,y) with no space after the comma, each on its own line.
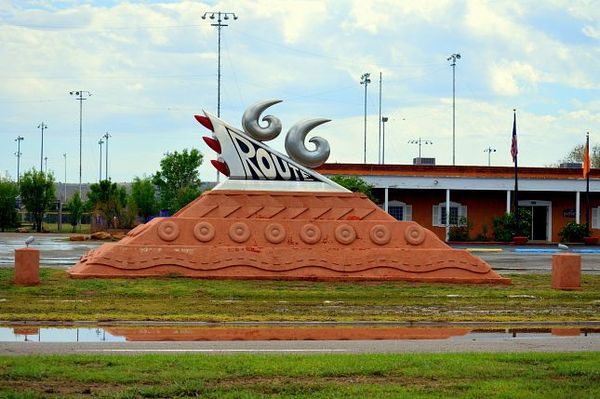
(554,250)
(536,250)
(55,251)
(64,261)
(49,334)
(122,334)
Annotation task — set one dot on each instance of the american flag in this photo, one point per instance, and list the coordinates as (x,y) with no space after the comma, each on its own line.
(513,147)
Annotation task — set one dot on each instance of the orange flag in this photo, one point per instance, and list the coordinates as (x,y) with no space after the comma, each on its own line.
(586,158)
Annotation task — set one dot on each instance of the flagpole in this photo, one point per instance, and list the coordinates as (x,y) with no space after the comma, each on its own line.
(587,181)
(516,159)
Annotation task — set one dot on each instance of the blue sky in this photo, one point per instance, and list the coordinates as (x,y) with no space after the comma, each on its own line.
(150,66)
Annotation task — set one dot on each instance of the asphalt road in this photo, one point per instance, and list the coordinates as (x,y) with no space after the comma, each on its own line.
(469,343)
(508,261)
(57,251)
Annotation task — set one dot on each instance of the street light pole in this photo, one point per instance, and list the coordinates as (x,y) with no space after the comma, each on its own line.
(364,80)
(106,136)
(100,142)
(384,119)
(420,142)
(42,126)
(220,17)
(379,123)
(489,150)
(454,57)
(65,186)
(81,95)
(18,154)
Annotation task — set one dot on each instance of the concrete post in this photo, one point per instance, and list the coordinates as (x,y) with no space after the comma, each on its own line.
(566,271)
(27,266)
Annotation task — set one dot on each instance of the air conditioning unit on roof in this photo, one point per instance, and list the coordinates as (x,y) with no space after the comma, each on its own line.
(571,165)
(423,161)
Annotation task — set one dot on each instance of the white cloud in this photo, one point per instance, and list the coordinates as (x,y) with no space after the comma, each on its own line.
(484,18)
(592,31)
(511,78)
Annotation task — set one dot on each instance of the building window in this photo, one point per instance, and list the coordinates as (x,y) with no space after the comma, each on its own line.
(396,211)
(400,211)
(457,212)
(596,218)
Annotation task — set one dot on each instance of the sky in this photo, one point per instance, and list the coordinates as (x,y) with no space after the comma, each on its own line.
(151,65)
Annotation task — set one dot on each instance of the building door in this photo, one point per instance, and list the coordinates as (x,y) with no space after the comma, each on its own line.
(541,223)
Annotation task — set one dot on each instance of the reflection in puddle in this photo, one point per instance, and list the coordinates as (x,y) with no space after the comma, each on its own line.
(51,334)
(269,333)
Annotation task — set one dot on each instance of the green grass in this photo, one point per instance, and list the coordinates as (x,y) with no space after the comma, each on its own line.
(53,228)
(67,228)
(523,375)
(58,297)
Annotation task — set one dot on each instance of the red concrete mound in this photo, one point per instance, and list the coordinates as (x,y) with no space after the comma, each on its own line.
(240,234)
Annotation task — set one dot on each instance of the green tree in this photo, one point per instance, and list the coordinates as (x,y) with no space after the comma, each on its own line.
(108,200)
(143,195)
(576,155)
(37,194)
(356,185)
(178,180)
(9,191)
(75,207)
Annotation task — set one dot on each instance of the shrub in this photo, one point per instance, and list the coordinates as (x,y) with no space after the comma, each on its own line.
(483,236)
(461,231)
(505,226)
(356,185)
(574,232)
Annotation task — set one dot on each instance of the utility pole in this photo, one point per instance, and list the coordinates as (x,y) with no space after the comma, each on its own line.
(364,80)
(384,119)
(420,142)
(42,126)
(220,17)
(81,95)
(489,150)
(100,142)
(379,124)
(454,57)
(18,154)
(106,136)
